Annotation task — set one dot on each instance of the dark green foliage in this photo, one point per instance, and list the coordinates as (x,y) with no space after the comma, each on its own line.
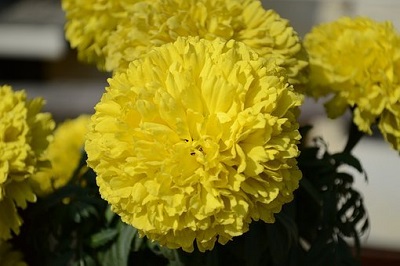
(74,226)
(56,228)
(330,210)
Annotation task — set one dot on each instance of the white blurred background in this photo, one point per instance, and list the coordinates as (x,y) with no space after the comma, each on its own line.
(35,56)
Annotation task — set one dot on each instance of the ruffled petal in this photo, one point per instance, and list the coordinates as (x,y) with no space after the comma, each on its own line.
(195,140)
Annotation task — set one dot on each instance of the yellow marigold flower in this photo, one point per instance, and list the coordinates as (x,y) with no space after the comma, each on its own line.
(64,154)
(153,23)
(90,22)
(24,135)
(357,60)
(195,140)
(10,257)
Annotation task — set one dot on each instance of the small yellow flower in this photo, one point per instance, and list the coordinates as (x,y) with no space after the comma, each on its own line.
(10,257)
(195,140)
(24,135)
(357,61)
(64,154)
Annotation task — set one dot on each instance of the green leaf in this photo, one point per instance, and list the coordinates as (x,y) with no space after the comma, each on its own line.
(170,254)
(118,253)
(109,215)
(86,261)
(137,243)
(348,159)
(103,237)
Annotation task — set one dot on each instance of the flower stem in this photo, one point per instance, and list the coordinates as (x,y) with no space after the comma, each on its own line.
(355,136)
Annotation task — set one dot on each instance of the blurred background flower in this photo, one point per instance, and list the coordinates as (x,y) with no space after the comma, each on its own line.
(92,29)
(90,23)
(64,154)
(364,79)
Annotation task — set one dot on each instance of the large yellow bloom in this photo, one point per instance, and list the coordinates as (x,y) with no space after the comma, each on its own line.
(10,257)
(195,140)
(89,24)
(153,23)
(24,135)
(64,154)
(357,60)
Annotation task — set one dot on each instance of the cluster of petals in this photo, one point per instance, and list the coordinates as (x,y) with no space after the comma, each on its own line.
(90,22)
(64,154)
(24,135)
(195,140)
(9,256)
(119,33)
(357,62)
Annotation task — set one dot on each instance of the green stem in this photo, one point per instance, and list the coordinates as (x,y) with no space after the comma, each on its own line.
(354,137)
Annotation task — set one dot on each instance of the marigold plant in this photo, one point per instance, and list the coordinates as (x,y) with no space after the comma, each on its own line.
(195,140)
(357,61)
(24,135)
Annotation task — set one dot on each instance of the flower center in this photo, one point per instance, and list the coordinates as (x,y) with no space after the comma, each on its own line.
(205,150)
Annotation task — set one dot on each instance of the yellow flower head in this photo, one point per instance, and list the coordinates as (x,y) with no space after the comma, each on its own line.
(90,22)
(153,23)
(113,33)
(195,140)
(64,154)
(10,257)
(24,135)
(357,60)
